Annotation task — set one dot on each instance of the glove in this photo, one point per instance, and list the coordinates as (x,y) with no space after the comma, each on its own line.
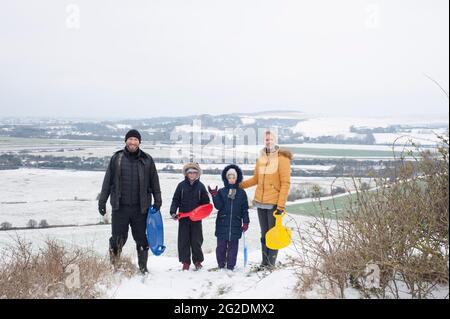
(213,192)
(244,227)
(102,209)
(279,211)
(156,207)
(174,216)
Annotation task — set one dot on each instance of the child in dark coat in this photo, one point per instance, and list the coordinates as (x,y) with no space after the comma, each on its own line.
(232,217)
(189,194)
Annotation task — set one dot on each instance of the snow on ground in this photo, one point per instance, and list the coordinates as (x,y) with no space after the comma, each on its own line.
(402,138)
(334,126)
(289,115)
(247,120)
(48,194)
(70,197)
(66,196)
(362,147)
(167,280)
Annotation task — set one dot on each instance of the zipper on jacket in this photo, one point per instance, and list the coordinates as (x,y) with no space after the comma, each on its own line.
(231,218)
(264,178)
(119,181)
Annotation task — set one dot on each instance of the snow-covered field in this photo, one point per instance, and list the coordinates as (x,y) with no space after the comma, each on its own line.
(66,196)
(334,126)
(166,280)
(70,197)
(49,194)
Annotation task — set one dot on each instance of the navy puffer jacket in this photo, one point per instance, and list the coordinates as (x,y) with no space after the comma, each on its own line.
(232,213)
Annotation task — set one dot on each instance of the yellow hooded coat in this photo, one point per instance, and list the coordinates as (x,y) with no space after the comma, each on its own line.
(272,176)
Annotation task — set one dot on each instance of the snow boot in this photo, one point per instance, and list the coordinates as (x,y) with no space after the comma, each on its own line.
(198,265)
(272,258)
(114,257)
(185,266)
(142,260)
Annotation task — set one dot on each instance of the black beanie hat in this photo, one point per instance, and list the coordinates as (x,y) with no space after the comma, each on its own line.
(133,133)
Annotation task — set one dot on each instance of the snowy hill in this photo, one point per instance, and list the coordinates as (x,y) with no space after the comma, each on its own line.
(167,280)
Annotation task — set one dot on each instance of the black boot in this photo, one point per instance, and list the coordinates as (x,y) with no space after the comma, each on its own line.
(142,260)
(271,258)
(115,249)
(114,257)
(265,255)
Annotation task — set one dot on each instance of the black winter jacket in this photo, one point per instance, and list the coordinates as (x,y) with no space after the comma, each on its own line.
(189,196)
(148,182)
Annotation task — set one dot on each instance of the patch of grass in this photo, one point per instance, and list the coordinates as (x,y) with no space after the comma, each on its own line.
(331,208)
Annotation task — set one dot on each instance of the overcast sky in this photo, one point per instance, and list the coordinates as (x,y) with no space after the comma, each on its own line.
(143,58)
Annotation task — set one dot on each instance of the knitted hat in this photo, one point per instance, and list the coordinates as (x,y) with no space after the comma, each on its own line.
(133,133)
(233,172)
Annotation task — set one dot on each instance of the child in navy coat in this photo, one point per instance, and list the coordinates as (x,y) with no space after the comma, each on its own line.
(232,217)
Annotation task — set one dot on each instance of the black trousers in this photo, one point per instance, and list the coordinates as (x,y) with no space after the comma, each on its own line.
(125,216)
(190,240)
(266,222)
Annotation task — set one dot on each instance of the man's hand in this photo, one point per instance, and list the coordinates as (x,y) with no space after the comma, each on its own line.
(279,211)
(244,227)
(106,219)
(102,209)
(156,207)
(174,216)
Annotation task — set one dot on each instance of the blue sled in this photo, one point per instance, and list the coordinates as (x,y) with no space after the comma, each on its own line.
(155,232)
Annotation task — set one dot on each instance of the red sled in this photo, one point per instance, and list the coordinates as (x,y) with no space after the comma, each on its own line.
(199,213)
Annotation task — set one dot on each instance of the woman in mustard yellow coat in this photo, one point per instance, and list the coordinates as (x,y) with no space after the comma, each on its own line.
(272,178)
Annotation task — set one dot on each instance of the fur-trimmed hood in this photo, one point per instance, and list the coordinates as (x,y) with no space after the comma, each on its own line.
(286,153)
(240,176)
(282,151)
(187,166)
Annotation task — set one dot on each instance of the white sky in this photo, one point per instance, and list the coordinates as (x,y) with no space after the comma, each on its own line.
(144,58)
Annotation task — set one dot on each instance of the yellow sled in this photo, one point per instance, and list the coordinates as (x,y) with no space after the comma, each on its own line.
(279,236)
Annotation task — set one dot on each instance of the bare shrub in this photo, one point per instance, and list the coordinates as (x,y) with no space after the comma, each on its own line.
(401,227)
(47,272)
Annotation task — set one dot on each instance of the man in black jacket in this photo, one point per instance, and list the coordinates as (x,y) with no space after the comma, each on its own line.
(189,194)
(131,179)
